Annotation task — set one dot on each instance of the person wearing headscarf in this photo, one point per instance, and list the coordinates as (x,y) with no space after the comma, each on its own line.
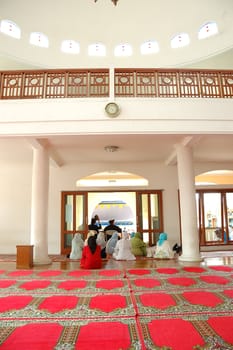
(163,249)
(122,250)
(76,247)
(100,240)
(91,255)
(111,243)
(138,246)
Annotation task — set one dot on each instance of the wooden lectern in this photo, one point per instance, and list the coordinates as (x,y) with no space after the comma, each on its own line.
(24,258)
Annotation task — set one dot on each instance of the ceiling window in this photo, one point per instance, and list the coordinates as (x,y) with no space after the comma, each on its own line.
(123,50)
(39,39)
(207,30)
(149,47)
(10,28)
(180,40)
(70,46)
(97,49)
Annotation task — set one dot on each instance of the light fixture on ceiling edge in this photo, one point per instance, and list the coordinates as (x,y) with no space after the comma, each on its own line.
(114,1)
(111,148)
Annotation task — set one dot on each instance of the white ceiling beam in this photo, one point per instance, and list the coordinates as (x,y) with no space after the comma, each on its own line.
(188,140)
(55,160)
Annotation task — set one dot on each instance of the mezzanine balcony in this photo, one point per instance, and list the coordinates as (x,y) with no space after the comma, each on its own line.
(117,83)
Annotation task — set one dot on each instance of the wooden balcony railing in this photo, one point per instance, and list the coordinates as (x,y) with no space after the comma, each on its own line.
(151,83)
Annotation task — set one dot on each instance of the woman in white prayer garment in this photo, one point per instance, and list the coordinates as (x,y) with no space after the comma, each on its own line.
(100,240)
(111,244)
(122,250)
(76,246)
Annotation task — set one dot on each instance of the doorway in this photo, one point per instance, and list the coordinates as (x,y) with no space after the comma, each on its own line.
(135,211)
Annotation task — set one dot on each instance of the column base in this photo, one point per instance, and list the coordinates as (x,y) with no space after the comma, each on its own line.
(190,258)
(42,261)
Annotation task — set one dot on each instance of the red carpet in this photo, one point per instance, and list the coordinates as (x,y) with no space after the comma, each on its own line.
(110,284)
(169,271)
(139,272)
(110,273)
(58,303)
(215,279)
(70,285)
(182,308)
(146,282)
(182,281)
(14,302)
(157,300)
(202,298)
(50,273)
(221,268)
(80,273)
(223,327)
(194,269)
(19,273)
(7,283)
(31,285)
(34,337)
(174,334)
(104,336)
(107,303)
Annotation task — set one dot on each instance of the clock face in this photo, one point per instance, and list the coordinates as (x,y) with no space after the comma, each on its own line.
(112,109)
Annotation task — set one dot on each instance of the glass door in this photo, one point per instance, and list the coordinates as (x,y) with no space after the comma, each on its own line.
(149,215)
(73,218)
(215,216)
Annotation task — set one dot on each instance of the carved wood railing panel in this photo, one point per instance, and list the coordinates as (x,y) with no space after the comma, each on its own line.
(173,83)
(54,84)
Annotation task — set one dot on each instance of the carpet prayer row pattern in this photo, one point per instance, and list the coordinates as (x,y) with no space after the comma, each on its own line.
(181,308)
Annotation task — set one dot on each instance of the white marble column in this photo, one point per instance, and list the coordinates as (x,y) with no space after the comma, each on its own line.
(39,206)
(189,228)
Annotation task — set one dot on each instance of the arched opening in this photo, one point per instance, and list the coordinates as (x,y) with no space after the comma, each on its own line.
(112,179)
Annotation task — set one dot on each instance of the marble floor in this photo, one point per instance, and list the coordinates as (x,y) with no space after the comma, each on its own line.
(208,259)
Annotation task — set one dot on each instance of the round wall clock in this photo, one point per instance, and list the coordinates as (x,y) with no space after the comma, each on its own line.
(112,109)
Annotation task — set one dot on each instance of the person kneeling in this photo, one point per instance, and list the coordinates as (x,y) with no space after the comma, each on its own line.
(122,250)
(91,255)
(163,249)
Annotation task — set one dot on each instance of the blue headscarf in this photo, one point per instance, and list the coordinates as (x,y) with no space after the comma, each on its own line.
(162,238)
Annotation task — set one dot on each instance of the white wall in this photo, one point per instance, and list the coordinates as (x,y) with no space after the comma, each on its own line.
(87,116)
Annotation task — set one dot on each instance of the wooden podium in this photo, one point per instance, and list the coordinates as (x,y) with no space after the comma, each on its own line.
(24,257)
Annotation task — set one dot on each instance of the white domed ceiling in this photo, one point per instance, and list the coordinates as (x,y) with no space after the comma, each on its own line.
(132,22)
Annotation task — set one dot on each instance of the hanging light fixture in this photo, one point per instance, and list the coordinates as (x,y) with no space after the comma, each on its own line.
(111,148)
(114,1)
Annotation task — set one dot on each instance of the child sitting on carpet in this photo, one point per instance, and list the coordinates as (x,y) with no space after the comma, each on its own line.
(163,249)
(122,250)
(91,255)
